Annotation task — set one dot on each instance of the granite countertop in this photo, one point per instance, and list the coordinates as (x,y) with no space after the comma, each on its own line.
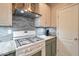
(7,47)
(7,53)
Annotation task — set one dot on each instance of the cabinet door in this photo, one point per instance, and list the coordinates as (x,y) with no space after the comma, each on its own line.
(48,23)
(48,48)
(54,47)
(44,10)
(5,14)
(53,17)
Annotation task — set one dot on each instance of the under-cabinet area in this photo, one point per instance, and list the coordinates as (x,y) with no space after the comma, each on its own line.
(50,46)
(39,29)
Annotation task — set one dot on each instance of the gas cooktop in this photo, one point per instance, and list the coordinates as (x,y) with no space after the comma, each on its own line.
(27,40)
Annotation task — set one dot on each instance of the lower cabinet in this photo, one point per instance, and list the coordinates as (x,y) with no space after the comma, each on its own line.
(54,47)
(51,47)
(48,48)
(37,54)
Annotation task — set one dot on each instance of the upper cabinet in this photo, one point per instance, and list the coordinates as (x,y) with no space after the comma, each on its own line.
(48,12)
(53,17)
(44,10)
(48,20)
(5,14)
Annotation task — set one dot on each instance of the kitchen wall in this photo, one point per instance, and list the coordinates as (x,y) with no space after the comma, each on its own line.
(40,31)
(5,33)
(21,23)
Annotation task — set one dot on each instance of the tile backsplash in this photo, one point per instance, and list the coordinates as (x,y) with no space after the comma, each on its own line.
(52,30)
(5,33)
(42,30)
(21,23)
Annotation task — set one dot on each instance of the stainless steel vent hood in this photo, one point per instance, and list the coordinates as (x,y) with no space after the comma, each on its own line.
(28,14)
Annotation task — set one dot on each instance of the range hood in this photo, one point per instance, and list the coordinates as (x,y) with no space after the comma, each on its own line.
(28,14)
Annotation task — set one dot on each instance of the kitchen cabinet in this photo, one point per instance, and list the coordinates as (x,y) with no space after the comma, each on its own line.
(44,10)
(5,14)
(48,48)
(51,47)
(53,17)
(54,46)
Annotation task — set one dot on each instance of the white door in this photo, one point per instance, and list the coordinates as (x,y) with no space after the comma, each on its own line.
(67,31)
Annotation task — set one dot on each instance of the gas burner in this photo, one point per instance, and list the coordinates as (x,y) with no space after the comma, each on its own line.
(25,41)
